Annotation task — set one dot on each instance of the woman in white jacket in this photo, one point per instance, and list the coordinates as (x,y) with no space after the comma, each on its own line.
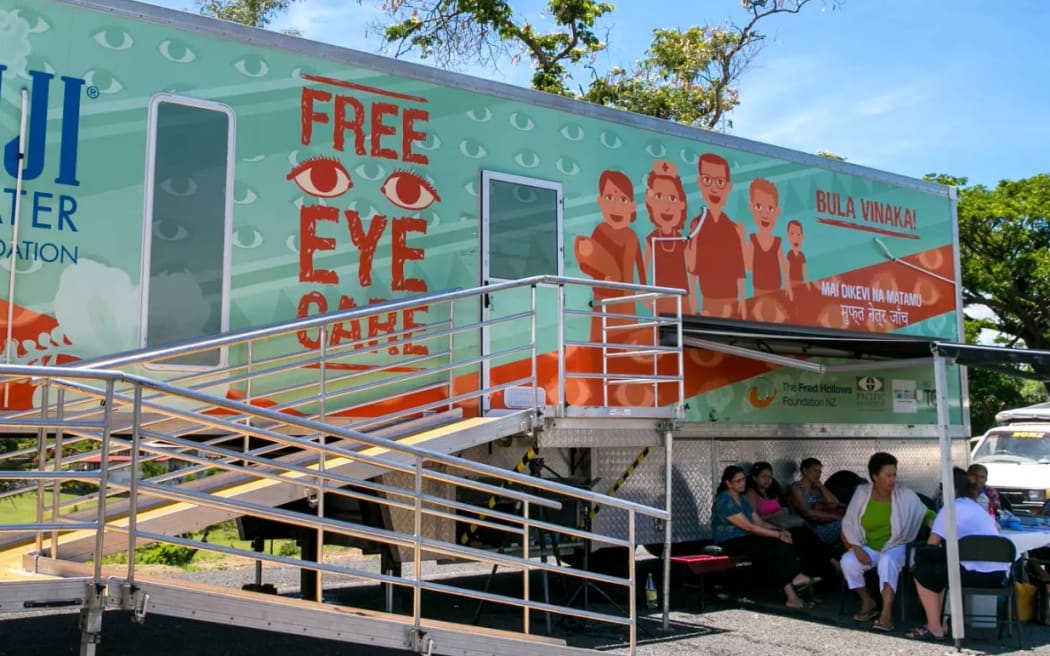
(882,518)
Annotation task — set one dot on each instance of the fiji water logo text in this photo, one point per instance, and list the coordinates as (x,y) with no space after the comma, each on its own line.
(44,207)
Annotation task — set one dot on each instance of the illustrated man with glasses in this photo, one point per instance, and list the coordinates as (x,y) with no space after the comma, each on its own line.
(714,253)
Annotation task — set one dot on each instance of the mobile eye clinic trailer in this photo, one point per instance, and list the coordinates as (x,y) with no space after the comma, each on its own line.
(184,198)
(180,180)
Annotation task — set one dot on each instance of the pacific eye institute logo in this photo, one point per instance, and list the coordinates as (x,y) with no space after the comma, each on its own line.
(871,393)
(870,384)
(761,393)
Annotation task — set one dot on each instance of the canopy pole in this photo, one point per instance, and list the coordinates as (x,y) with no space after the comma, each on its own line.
(668,506)
(951,538)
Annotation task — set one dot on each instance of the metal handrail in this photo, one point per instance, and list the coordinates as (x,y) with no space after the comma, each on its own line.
(523,525)
(337,386)
(337,431)
(189,347)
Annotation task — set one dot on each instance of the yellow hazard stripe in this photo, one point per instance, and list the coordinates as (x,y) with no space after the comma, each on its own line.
(623,478)
(529,456)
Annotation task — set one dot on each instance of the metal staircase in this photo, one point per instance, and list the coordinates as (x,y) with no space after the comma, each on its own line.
(282,433)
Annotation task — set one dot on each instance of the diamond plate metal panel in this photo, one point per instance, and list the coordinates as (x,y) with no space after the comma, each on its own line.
(698,465)
(402,521)
(602,434)
(690,476)
(505,454)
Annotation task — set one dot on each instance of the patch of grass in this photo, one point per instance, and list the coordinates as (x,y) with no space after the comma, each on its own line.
(21,508)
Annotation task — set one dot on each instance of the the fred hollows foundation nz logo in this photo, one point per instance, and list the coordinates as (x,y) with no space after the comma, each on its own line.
(48,183)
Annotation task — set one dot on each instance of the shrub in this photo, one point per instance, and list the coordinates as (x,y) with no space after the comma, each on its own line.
(165,554)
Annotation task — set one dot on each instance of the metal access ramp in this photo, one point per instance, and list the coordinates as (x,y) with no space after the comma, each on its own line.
(430,475)
(291,413)
(172,516)
(72,586)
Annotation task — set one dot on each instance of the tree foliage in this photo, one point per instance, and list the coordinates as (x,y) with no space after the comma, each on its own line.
(687,75)
(1004,243)
(991,391)
(451,32)
(257,13)
(830,155)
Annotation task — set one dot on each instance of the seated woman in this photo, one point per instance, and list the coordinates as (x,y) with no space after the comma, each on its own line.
(763,492)
(881,519)
(737,528)
(995,502)
(931,568)
(817,504)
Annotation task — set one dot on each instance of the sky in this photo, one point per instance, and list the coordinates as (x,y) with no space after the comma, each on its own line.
(908,86)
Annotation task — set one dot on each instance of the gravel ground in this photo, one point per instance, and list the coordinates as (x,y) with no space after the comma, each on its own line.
(755,629)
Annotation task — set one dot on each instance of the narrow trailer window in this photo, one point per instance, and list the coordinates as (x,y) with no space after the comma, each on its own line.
(188,219)
(522,226)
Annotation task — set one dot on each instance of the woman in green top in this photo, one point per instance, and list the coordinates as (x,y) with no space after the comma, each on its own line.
(882,518)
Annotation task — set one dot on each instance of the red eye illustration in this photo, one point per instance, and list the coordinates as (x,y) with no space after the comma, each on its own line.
(409,191)
(323,177)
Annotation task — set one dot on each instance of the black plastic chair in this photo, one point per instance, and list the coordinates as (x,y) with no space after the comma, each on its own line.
(996,549)
(905,582)
(843,484)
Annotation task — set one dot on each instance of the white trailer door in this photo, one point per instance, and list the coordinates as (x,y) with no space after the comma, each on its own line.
(521,236)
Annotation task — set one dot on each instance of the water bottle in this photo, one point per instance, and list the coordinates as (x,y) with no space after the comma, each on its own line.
(982,501)
(651,596)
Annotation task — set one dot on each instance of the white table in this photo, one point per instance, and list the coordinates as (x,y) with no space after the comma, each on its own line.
(985,605)
(1027,540)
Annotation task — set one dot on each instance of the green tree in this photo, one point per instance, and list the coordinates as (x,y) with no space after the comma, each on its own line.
(990,391)
(1004,240)
(451,32)
(830,155)
(257,13)
(686,75)
(1004,243)
(689,76)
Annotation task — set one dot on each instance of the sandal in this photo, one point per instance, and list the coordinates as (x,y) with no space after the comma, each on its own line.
(924,633)
(800,606)
(879,626)
(866,617)
(807,583)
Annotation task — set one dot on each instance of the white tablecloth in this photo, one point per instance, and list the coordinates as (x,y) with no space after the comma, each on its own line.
(1027,540)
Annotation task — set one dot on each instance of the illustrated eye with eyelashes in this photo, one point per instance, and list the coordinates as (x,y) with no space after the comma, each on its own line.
(104,81)
(370,171)
(252,66)
(409,190)
(323,177)
(21,268)
(113,38)
(247,238)
(176,51)
(37,63)
(36,22)
(179,187)
(168,230)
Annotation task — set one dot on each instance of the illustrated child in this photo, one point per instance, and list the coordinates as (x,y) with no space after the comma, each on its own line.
(665,246)
(714,253)
(612,252)
(764,253)
(796,259)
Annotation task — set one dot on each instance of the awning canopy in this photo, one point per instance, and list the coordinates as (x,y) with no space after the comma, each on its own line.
(780,339)
(792,346)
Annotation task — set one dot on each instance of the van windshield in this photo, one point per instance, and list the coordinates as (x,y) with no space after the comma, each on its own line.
(1014,446)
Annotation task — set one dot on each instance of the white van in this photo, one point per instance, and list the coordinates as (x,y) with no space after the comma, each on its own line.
(1017,456)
